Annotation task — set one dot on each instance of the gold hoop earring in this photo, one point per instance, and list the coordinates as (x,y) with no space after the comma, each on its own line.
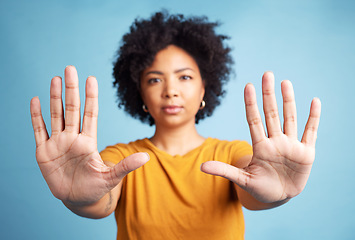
(203,105)
(145,109)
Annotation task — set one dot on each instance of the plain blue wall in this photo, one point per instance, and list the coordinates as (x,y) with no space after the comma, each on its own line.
(309,42)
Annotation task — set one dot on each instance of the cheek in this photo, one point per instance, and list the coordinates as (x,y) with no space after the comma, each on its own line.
(195,97)
(151,98)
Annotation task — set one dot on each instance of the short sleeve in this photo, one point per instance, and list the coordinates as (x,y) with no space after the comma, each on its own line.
(240,149)
(112,154)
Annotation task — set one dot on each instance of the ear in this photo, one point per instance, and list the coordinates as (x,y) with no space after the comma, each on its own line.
(203,89)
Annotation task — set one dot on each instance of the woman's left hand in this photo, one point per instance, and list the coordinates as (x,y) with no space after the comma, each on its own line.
(280,165)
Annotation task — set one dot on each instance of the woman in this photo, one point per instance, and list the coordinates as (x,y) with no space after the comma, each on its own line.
(170,72)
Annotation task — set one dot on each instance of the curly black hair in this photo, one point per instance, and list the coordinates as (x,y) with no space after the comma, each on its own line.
(146,38)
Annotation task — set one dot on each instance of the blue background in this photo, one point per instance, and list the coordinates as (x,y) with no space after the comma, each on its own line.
(312,43)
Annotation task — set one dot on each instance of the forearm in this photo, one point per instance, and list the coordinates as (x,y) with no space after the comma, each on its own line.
(249,202)
(246,199)
(102,208)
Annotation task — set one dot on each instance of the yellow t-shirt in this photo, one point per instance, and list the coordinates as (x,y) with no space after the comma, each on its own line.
(170,198)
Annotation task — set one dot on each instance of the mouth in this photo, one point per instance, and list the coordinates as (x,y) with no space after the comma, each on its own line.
(172,109)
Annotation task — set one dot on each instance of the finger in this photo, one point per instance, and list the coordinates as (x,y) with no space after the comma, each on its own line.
(310,132)
(289,109)
(72,100)
(127,165)
(56,102)
(38,124)
(91,108)
(234,174)
(256,127)
(271,112)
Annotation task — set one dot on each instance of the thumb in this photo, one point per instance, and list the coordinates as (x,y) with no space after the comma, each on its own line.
(127,165)
(234,174)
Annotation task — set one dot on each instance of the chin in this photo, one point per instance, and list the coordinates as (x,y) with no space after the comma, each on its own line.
(174,122)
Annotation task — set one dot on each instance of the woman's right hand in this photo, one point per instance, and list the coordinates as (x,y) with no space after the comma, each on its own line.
(69,159)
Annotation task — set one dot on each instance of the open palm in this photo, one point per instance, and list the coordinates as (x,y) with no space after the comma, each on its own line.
(69,159)
(280,165)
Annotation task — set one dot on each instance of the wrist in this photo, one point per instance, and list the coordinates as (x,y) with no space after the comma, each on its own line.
(96,210)
(250,202)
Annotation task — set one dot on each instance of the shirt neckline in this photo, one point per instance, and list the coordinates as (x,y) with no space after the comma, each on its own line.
(148,142)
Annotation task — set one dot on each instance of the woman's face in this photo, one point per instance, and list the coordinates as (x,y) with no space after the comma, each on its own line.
(172,88)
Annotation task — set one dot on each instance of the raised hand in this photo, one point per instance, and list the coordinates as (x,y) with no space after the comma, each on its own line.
(280,165)
(69,160)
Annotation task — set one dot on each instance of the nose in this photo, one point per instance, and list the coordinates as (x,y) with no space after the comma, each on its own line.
(171,89)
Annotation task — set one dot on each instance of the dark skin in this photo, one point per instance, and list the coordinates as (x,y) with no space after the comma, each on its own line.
(74,171)
(280,165)
(69,159)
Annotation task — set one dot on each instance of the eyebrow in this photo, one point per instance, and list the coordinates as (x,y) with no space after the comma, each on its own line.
(183,69)
(176,71)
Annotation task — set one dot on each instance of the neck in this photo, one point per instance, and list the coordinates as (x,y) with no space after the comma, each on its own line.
(177,141)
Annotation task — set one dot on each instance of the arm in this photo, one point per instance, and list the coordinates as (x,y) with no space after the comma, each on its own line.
(100,209)
(280,165)
(69,160)
(247,200)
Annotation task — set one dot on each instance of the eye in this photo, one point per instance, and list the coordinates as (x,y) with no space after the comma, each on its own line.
(154,80)
(185,77)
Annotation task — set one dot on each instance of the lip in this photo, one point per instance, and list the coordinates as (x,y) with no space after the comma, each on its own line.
(172,109)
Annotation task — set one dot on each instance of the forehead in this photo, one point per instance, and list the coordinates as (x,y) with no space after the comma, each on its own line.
(173,57)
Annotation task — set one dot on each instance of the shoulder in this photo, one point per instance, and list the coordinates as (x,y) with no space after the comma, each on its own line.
(215,142)
(134,144)
(228,151)
(115,153)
